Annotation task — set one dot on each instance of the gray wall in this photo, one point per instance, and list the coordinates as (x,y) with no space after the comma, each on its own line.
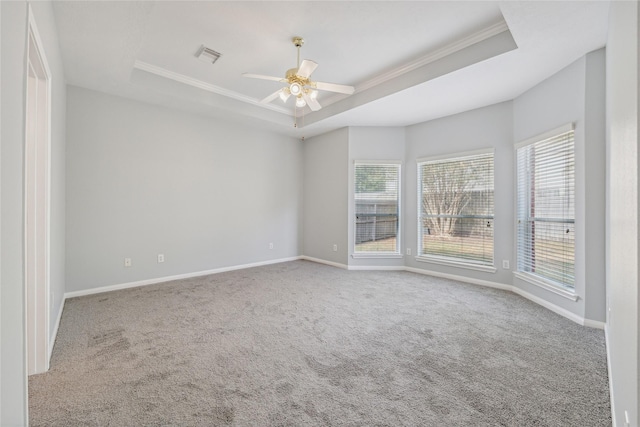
(489,127)
(573,95)
(12,355)
(13,399)
(374,143)
(595,186)
(326,196)
(1,330)
(622,208)
(144,180)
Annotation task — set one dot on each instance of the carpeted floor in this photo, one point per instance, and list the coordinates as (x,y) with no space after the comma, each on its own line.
(303,344)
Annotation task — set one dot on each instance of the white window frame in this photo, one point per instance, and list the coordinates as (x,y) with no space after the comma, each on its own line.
(387,254)
(532,278)
(435,259)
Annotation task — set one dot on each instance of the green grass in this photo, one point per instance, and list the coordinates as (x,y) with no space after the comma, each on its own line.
(472,248)
(550,266)
(383,245)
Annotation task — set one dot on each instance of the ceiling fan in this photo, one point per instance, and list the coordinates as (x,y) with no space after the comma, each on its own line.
(304,90)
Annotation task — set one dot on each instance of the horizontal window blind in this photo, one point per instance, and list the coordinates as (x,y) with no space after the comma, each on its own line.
(546,209)
(377,196)
(456,208)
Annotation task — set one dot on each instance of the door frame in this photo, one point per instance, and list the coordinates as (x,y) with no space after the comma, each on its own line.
(37,159)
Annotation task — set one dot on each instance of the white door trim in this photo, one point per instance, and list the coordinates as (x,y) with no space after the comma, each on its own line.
(37,200)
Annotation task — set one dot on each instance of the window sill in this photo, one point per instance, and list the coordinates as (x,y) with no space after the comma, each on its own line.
(387,255)
(530,278)
(459,264)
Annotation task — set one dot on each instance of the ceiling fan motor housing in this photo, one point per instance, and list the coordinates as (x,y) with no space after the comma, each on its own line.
(296,83)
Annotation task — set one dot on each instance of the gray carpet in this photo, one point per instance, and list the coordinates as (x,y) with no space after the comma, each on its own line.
(303,344)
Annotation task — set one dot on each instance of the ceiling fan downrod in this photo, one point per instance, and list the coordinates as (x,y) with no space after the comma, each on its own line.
(298,42)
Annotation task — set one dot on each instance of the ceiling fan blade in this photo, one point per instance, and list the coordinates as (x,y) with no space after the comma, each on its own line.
(271,97)
(332,87)
(312,102)
(260,76)
(306,68)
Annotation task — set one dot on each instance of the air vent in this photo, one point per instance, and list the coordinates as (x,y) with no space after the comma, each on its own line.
(208,55)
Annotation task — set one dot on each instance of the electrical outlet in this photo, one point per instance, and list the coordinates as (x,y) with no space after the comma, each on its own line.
(335,248)
(408,251)
(270,245)
(505,264)
(160,258)
(127,262)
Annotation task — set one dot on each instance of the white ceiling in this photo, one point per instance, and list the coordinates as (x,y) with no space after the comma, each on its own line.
(409,61)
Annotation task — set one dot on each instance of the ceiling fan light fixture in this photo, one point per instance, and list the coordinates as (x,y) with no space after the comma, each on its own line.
(295,88)
(300,102)
(313,94)
(285,94)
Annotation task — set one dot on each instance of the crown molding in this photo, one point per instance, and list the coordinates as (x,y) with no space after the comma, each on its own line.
(428,58)
(397,72)
(163,72)
(435,55)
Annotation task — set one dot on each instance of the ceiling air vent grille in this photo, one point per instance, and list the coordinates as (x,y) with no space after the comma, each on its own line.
(208,55)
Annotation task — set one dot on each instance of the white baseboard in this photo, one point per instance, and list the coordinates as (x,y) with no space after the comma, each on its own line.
(613,409)
(546,304)
(377,267)
(147,282)
(558,310)
(323,261)
(549,306)
(596,324)
(464,279)
(52,338)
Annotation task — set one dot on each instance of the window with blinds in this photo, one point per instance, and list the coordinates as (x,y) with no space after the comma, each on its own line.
(546,209)
(377,201)
(456,208)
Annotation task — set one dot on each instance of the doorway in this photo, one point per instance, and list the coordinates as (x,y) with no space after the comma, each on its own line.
(37,201)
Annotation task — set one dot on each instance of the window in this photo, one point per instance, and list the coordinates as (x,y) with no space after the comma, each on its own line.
(546,209)
(455,220)
(377,197)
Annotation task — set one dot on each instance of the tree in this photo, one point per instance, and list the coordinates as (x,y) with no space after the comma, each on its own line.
(371,179)
(448,190)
